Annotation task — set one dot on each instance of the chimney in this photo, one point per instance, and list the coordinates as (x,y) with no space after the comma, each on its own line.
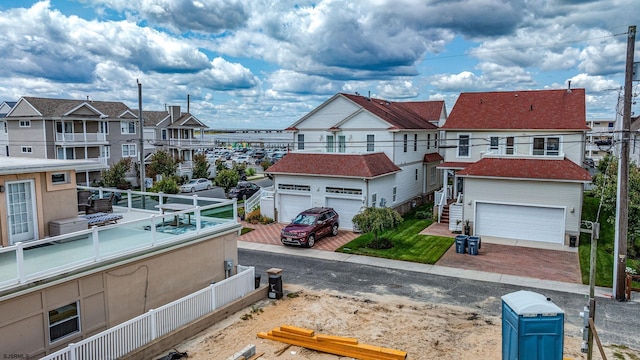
(569,87)
(174,111)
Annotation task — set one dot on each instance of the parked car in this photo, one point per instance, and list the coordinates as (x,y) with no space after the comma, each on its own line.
(243,189)
(311,225)
(242,159)
(196,185)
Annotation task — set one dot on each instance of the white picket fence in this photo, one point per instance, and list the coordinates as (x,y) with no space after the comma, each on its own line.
(139,331)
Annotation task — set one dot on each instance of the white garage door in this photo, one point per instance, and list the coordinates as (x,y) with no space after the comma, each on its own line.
(520,222)
(346,208)
(291,205)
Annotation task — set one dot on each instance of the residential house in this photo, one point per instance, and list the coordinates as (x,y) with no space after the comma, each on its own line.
(175,132)
(5,107)
(47,128)
(354,151)
(59,288)
(513,164)
(599,140)
(634,146)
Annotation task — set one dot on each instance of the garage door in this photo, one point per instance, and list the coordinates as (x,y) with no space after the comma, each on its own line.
(346,208)
(520,222)
(291,205)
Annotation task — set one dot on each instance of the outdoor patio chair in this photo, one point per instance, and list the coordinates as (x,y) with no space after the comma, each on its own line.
(84,200)
(104,205)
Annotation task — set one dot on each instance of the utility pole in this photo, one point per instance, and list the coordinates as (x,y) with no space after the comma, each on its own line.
(622,205)
(141,151)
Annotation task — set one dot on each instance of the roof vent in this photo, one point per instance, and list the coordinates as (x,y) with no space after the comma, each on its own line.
(531,109)
(569,87)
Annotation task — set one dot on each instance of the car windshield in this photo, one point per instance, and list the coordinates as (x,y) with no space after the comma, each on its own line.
(304,219)
(191,182)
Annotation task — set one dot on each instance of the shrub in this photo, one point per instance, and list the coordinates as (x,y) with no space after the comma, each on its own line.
(422,214)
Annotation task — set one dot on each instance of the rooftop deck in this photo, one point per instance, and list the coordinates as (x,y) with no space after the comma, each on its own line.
(143,228)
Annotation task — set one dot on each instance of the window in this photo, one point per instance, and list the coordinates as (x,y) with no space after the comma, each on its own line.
(25,123)
(510,148)
(370,141)
(129,150)
(347,191)
(127,127)
(104,127)
(416,174)
(163,134)
(59,178)
(395,193)
(435,140)
(4,127)
(105,152)
(27,150)
(463,145)
(415,142)
(546,146)
(64,321)
(66,153)
(433,175)
(294,187)
(428,141)
(406,137)
(331,145)
(300,141)
(374,199)
(342,143)
(494,143)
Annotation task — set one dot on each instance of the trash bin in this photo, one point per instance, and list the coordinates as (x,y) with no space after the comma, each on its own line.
(461,243)
(275,283)
(257,281)
(572,240)
(474,244)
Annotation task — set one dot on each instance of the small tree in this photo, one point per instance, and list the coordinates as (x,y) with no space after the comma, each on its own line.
(227,179)
(167,185)
(200,166)
(377,219)
(162,163)
(115,176)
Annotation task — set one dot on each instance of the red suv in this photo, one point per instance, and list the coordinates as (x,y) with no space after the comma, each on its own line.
(310,225)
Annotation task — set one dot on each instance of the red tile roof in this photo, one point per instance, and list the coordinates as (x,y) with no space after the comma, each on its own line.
(401,115)
(453,165)
(534,110)
(432,157)
(336,165)
(562,170)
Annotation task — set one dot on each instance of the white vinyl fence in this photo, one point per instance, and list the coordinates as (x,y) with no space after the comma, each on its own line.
(135,333)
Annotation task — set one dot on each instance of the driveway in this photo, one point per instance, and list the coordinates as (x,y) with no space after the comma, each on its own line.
(495,255)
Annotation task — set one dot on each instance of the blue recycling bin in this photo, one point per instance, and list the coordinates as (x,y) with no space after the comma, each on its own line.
(474,244)
(532,327)
(461,243)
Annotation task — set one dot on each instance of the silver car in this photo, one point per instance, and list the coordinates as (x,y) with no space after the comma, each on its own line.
(194,185)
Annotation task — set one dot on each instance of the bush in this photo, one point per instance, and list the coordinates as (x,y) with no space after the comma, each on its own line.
(422,214)
(254,217)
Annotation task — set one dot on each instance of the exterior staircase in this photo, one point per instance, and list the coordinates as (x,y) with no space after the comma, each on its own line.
(444,218)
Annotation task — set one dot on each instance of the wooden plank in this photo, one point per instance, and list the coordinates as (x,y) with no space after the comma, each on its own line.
(338,339)
(296,330)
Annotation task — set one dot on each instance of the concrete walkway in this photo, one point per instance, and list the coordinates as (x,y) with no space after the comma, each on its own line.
(498,260)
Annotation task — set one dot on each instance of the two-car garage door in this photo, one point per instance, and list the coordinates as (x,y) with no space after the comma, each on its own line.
(520,222)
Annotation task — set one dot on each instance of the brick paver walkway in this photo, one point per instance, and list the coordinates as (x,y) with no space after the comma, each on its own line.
(502,259)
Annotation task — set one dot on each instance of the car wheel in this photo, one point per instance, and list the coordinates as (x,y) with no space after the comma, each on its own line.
(311,240)
(193,189)
(208,187)
(334,230)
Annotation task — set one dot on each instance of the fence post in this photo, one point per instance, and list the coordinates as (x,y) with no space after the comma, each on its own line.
(96,243)
(22,277)
(154,323)
(153,229)
(72,351)
(198,224)
(213,296)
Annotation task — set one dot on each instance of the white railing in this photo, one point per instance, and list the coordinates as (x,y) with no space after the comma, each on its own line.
(186,142)
(81,137)
(441,200)
(253,202)
(139,331)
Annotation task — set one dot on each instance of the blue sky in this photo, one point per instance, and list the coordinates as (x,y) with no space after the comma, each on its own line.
(264,64)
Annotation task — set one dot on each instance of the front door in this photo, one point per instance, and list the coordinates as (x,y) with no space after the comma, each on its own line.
(21,211)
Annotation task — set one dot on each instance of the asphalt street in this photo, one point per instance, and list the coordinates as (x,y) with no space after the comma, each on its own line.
(616,322)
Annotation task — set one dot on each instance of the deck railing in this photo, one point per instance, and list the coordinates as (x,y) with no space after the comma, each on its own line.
(139,331)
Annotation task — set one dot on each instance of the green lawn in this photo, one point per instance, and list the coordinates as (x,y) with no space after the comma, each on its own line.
(409,245)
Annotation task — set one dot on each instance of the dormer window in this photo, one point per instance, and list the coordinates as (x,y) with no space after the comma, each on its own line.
(547,146)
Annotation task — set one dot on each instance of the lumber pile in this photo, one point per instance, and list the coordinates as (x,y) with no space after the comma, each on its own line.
(336,345)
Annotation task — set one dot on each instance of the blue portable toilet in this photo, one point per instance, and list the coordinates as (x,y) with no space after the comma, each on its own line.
(532,327)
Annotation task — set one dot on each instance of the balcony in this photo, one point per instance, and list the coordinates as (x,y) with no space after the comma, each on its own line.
(81,139)
(144,228)
(186,143)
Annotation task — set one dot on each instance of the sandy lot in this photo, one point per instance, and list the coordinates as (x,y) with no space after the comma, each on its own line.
(423,330)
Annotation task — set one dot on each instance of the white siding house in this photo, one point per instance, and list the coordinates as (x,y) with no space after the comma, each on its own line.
(342,138)
(517,163)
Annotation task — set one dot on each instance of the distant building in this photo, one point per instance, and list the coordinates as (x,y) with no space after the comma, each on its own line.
(5,107)
(599,139)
